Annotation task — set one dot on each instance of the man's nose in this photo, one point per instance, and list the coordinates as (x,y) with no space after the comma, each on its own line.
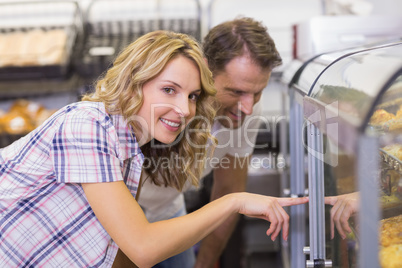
(246,104)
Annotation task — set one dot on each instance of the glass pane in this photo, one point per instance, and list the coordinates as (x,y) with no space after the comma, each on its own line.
(355,81)
(341,181)
(386,121)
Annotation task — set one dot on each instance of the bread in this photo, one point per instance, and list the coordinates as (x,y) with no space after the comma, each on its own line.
(28,108)
(391,231)
(2,113)
(380,117)
(12,47)
(391,242)
(34,47)
(399,113)
(392,124)
(3,47)
(391,257)
(54,43)
(23,116)
(394,150)
(16,123)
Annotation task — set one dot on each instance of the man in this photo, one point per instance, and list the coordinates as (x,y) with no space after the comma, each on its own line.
(241,56)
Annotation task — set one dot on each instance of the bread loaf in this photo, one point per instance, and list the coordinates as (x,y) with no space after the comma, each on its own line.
(16,123)
(394,150)
(34,47)
(11,53)
(391,242)
(380,117)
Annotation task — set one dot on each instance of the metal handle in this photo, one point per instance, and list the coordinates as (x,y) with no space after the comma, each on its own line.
(318,263)
(286,192)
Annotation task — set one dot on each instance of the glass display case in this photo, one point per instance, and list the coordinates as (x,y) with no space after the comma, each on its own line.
(353,123)
(299,76)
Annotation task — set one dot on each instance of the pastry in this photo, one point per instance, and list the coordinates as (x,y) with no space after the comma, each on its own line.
(391,257)
(380,116)
(391,231)
(28,108)
(391,242)
(394,150)
(16,123)
(399,113)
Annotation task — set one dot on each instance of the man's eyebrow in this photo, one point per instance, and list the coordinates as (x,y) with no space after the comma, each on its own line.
(234,89)
(244,91)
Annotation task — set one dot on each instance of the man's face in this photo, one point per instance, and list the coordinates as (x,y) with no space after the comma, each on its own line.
(239,87)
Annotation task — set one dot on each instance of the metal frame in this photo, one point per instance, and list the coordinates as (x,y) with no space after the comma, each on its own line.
(367,168)
(297,182)
(316,195)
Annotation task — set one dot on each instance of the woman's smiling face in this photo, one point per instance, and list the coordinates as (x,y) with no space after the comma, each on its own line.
(169,101)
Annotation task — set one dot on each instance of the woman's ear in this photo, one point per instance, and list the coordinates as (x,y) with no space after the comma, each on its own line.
(206,61)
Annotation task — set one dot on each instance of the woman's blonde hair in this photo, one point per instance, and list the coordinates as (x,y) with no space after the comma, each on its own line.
(121,91)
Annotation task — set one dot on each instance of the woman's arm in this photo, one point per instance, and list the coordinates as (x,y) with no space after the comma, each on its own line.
(149,243)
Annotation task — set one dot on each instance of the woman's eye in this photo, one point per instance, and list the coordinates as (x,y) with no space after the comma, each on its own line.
(194,97)
(168,90)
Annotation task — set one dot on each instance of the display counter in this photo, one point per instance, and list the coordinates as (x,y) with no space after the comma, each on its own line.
(353,119)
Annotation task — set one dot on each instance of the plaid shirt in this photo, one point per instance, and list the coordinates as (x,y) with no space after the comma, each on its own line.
(45,218)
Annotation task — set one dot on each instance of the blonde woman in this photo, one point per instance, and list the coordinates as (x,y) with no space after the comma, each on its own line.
(67,189)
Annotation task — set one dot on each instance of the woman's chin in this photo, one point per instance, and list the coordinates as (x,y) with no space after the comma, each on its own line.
(167,142)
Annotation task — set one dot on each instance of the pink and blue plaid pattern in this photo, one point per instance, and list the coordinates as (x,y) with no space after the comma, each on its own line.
(45,218)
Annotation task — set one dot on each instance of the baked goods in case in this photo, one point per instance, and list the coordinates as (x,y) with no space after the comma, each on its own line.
(34,47)
(387,121)
(29,108)
(391,257)
(16,123)
(2,113)
(23,116)
(393,124)
(391,242)
(55,45)
(12,47)
(394,150)
(399,113)
(391,231)
(380,117)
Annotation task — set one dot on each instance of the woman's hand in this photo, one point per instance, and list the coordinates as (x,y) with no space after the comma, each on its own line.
(271,209)
(343,207)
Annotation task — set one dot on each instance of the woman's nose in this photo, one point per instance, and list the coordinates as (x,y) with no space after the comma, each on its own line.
(183,108)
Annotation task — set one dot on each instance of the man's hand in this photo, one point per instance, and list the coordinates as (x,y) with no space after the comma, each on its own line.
(344,206)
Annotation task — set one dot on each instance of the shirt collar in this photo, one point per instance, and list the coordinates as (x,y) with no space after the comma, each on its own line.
(129,146)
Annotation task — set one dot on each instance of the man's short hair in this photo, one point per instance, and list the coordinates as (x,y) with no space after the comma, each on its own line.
(239,37)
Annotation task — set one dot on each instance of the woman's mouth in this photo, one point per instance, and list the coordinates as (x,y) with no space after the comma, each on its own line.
(171,125)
